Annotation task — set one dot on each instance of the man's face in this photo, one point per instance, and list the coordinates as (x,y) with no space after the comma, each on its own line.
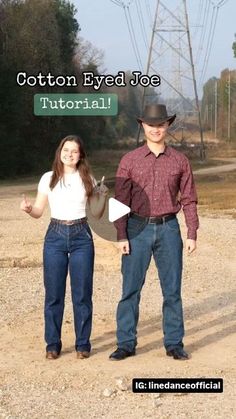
(155,133)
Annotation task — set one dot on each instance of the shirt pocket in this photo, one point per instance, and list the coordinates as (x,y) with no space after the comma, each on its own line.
(174,177)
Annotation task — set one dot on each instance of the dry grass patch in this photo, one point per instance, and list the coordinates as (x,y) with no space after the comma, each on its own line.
(19,262)
(217,192)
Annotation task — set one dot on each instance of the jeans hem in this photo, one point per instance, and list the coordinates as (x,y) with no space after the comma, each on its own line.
(170,347)
(53,348)
(83,348)
(126,347)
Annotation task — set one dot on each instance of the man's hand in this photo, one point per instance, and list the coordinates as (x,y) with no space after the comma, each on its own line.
(124,247)
(191,245)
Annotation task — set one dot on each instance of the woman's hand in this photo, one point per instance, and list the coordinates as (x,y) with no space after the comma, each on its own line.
(101,189)
(37,209)
(25,205)
(97,201)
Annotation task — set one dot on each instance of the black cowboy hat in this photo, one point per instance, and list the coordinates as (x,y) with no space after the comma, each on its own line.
(155,114)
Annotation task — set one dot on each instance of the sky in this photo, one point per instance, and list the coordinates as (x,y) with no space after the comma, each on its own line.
(104,24)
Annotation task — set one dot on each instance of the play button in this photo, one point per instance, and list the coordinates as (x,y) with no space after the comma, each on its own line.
(116,210)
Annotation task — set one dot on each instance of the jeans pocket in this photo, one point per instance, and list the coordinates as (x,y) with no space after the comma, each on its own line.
(87,231)
(50,230)
(173,225)
(134,227)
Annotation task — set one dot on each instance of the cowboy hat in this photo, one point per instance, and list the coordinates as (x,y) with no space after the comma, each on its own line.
(155,114)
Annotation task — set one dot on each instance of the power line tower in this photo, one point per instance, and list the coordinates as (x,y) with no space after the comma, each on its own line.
(170,56)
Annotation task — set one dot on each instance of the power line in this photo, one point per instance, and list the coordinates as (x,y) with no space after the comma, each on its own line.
(149,11)
(132,36)
(130,30)
(222,3)
(204,30)
(141,21)
(171,34)
(211,33)
(205,36)
(210,41)
(116,2)
(198,18)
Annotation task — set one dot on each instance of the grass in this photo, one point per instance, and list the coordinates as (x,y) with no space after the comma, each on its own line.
(19,262)
(197,164)
(20,181)
(106,163)
(222,150)
(216,193)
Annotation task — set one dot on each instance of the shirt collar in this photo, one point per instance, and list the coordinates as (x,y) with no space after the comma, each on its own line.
(146,150)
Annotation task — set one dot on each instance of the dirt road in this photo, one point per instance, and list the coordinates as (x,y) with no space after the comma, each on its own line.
(231,165)
(32,387)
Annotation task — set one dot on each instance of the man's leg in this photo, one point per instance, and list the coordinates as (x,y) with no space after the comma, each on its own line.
(134,267)
(168,252)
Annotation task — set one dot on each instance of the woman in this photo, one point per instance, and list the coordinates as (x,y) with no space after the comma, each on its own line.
(68,244)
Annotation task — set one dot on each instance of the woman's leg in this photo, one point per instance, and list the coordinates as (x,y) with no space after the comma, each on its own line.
(55,261)
(81,263)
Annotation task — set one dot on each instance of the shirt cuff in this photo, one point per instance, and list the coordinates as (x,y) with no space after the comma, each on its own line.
(121,235)
(192,235)
(121,225)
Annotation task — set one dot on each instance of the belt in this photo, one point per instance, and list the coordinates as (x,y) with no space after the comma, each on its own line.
(153,220)
(70,222)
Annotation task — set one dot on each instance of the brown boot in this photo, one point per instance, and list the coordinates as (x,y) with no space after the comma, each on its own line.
(82,354)
(52,355)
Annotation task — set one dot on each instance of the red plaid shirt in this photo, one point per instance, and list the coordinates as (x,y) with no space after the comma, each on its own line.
(156,186)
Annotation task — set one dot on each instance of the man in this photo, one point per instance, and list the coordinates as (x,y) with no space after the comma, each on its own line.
(155,180)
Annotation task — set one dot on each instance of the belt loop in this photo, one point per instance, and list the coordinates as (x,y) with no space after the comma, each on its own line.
(56,227)
(164,220)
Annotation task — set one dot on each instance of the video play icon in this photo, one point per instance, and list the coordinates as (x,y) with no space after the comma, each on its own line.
(106,226)
(116,209)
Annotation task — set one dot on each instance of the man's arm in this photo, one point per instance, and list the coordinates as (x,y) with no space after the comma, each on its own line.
(123,186)
(188,200)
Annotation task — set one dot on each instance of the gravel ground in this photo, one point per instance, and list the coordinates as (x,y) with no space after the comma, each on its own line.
(32,387)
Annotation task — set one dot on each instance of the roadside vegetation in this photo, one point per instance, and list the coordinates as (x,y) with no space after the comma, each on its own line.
(216,192)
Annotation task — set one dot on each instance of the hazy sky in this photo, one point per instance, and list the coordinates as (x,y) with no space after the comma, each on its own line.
(103,23)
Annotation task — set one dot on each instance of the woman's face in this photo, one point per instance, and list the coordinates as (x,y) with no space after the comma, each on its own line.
(70,154)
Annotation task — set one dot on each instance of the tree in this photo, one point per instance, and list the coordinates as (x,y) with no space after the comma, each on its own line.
(226,101)
(34,36)
(234,46)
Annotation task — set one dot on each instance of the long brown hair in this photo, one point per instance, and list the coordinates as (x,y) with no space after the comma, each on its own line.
(82,165)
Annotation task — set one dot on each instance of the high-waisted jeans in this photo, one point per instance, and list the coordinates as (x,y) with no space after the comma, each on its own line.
(68,247)
(164,242)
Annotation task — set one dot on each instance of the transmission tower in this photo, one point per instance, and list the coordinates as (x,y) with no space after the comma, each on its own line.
(170,56)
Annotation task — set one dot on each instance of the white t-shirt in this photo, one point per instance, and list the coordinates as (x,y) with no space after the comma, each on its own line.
(67,200)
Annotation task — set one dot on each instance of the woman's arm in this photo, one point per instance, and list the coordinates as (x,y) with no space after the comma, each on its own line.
(37,209)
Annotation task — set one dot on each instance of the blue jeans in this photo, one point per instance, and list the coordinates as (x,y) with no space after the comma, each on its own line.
(68,247)
(164,242)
